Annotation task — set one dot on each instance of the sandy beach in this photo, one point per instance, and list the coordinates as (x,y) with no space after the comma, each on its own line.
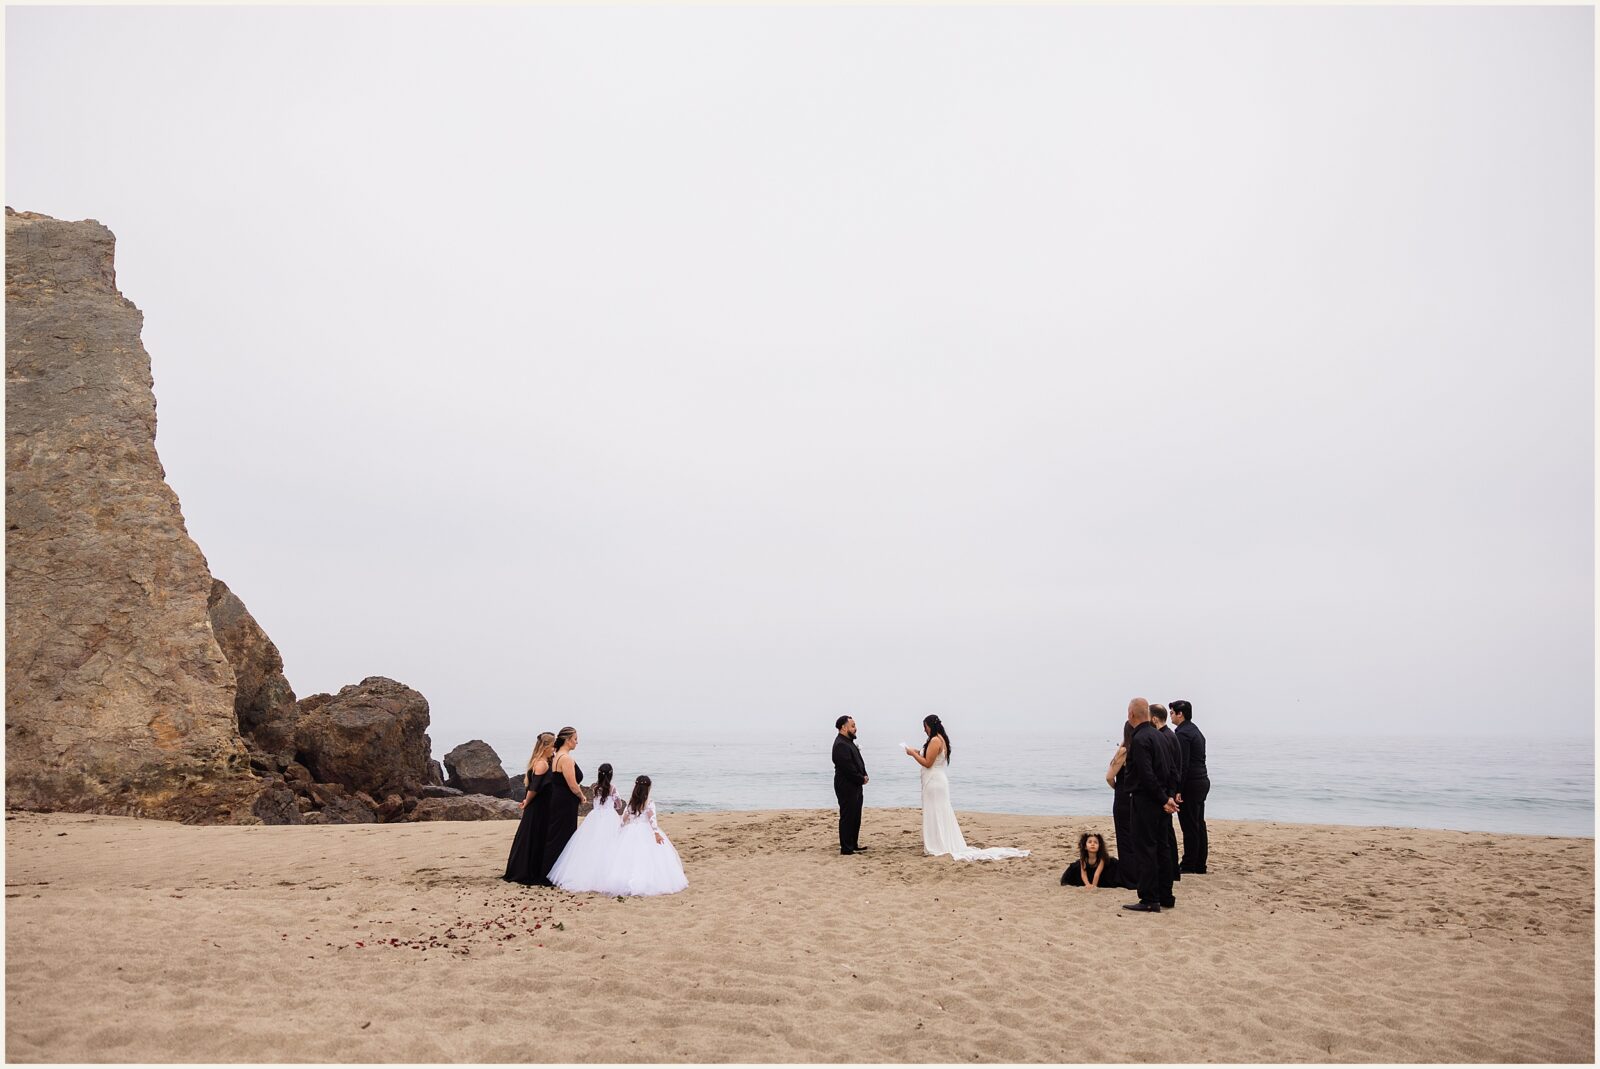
(135,940)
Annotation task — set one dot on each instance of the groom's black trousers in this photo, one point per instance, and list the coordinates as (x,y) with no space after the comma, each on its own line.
(850,799)
(1151,825)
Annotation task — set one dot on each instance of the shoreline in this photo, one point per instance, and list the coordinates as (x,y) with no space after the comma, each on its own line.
(374,943)
(962,815)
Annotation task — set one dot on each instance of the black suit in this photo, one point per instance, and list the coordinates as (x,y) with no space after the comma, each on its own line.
(1175,782)
(1196,785)
(1151,776)
(849,773)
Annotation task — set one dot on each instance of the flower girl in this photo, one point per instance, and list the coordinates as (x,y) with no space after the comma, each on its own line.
(588,855)
(644,860)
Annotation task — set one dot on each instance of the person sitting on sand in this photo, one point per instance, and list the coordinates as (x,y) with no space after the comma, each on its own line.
(1094,867)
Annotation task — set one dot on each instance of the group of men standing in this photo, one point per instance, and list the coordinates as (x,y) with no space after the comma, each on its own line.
(1157,773)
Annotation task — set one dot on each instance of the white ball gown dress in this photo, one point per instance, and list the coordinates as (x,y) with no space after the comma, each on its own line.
(640,865)
(586,861)
(940,832)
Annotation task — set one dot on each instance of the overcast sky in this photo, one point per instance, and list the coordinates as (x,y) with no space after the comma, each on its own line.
(649,368)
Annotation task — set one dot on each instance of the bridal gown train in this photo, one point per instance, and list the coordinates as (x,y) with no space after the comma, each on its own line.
(940,832)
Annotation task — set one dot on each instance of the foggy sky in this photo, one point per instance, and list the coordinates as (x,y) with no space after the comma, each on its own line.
(658,369)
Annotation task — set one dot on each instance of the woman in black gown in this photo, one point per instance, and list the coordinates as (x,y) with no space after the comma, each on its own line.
(526,864)
(565,795)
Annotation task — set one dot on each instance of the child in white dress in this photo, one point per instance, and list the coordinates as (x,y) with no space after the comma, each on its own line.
(586,861)
(644,862)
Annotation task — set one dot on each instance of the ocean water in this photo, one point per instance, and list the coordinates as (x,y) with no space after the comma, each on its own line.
(1438,781)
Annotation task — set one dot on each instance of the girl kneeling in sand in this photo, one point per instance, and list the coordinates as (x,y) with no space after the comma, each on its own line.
(1094,867)
(586,861)
(644,861)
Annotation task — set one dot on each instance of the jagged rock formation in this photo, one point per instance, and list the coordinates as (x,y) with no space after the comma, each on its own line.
(118,698)
(263,703)
(135,683)
(474,768)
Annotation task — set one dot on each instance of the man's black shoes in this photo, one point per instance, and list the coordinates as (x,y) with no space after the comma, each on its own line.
(1169,903)
(1143,907)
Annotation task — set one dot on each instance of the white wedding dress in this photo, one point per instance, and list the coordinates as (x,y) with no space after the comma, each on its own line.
(588,857)
(940,832)
(639,865)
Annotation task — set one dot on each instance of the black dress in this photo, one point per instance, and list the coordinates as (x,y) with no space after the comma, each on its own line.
(562,820)
(526,864)
(1073,877)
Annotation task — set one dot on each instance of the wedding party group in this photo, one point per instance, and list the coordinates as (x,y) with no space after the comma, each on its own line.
(1156,773)
(1159,771)
(618,850)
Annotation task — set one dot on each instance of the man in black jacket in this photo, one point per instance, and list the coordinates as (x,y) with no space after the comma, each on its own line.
(1195,786)
(1152,804)
(1169,741)
(849,776)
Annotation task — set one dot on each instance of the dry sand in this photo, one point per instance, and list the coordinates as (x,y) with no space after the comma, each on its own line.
(133,940)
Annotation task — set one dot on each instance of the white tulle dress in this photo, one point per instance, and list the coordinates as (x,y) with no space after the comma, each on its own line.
(640,865)
(940,832)
(586,861)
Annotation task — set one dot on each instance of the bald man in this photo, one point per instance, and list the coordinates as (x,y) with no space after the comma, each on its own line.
(1153,806)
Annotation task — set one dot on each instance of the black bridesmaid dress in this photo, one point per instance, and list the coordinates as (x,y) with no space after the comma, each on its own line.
(561,822)
(1109,877)
(526,865)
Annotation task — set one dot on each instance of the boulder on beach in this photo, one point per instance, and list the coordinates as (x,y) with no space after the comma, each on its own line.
(372,736)
(474,768)
(466,807)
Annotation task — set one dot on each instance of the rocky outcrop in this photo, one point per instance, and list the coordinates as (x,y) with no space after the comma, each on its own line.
(118,697)
(263,702)
(466,807)
(474,768)
(135,682)
(372,737)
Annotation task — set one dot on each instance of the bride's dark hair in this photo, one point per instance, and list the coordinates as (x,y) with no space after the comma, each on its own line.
(602,783)
(934,727)
(641,795)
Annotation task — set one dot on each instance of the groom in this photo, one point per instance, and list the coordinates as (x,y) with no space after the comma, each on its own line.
(849,776)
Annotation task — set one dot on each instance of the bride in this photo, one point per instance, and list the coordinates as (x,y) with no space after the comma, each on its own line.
(940,832)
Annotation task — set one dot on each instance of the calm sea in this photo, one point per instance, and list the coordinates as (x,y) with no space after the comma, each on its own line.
(1438,781)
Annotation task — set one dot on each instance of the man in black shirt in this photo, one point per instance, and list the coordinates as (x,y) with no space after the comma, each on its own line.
(849,776)
(1152,804)
(1196,784)
(1158,717)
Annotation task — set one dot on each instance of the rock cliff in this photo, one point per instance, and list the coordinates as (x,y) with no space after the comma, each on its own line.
(135,682)
(118,698)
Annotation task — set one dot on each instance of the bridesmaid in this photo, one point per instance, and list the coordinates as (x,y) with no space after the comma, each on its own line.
(565,795)
(526,864)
